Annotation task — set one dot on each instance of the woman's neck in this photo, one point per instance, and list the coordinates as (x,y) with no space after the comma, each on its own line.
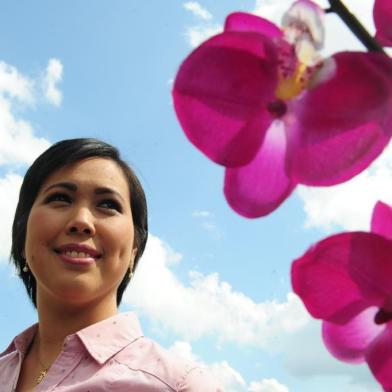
(57,320)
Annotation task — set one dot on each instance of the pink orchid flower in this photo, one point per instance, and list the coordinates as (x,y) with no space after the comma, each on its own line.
(346,280)
(261,102)
(382,15)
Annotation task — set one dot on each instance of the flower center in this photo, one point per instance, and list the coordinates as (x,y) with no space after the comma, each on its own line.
(292,84)
(277,108)
(382,317)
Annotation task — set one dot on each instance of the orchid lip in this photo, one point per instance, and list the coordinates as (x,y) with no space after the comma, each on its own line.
(79,249)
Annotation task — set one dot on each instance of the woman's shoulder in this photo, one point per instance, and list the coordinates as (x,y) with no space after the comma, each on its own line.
(163,367)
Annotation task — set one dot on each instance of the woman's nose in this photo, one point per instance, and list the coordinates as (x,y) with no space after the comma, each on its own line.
(81,222)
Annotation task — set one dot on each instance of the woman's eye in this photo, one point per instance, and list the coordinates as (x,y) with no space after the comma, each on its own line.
(110,205)
(58,197)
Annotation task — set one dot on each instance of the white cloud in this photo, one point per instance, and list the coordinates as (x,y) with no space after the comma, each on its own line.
(207,223)
(172,256)
(54,75)
(202,214)
(197,10)
(213,230)
(9,192)
(349,205)
(184,350)
(267,385)
(229,378)
(306,357)
(18,143)
(271,9)
(210,307)
(15,85)
(197,34)
(187,309)
(354,387)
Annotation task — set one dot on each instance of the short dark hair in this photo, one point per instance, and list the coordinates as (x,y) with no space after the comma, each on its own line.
(64,153)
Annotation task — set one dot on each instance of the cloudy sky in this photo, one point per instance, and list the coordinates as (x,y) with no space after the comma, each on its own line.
(212,286)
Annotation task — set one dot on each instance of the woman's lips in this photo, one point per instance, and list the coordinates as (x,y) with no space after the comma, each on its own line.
(77,260)
(78,254)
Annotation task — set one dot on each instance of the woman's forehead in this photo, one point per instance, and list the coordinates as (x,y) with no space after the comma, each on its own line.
(92,172)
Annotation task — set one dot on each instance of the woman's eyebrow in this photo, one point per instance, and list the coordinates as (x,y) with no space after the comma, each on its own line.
(72,187)
(103,190)
(67,185)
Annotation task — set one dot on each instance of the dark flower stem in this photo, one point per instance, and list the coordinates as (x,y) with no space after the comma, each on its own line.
(354,25)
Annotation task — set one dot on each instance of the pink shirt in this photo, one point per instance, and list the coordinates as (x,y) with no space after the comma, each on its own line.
(112,355)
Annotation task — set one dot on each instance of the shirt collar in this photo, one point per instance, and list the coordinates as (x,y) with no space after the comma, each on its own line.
(21,342)
(102,340)
(106,338)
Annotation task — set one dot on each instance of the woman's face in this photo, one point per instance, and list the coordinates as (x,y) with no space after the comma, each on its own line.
(79,241)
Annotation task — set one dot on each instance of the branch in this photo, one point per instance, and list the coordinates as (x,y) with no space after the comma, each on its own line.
(354,25)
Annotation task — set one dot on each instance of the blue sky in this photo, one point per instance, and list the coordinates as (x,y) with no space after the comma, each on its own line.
(212,285)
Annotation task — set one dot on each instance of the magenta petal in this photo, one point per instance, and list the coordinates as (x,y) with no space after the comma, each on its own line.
(344,122)
(343,274)
(221,92)
(348,342)
(241,21)
(262,185)
(382,14)
(379,358)
(370,267)
(382,220)
(320,278)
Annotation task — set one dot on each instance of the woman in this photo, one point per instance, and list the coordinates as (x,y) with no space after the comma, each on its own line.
(79,230)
